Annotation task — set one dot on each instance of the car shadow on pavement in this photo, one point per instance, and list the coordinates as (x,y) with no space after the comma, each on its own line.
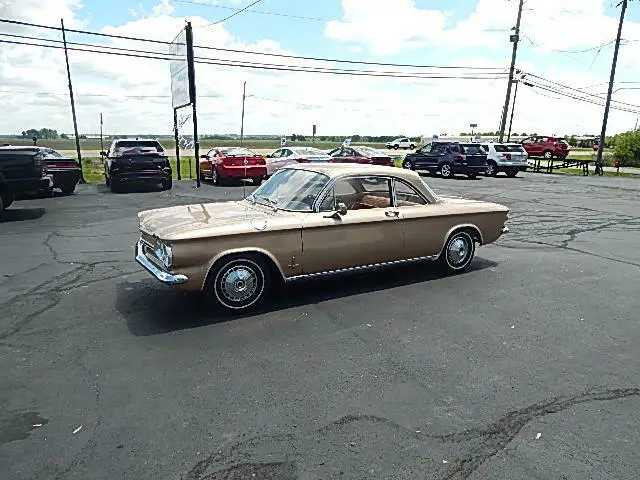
(152,309)
(13,214)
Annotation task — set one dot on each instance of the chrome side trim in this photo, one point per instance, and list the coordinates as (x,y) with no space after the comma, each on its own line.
(165,277)
(505,229)
(372,266)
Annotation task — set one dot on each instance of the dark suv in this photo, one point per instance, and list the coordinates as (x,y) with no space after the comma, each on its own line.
(22,171)
(448,158)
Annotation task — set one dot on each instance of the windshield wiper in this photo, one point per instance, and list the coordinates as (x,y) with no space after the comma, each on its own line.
(270,201)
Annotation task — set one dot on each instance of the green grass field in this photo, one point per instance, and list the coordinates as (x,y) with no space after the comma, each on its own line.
(94,171)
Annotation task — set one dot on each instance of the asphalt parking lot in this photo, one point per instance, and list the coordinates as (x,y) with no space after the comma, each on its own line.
(525,367)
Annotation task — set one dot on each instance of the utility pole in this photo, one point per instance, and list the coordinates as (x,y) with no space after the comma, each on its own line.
(101,144)
(605,119)
(515,38)
(176,134)
(73,105)
(513,107)
(244,96)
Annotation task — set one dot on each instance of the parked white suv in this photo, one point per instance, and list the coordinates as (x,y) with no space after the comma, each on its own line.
(401,143)
(510,158)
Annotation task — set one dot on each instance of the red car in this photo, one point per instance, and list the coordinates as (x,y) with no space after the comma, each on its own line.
(232,163)
(358,154)
(547,147)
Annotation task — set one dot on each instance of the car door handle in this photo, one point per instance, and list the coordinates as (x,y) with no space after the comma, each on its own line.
(393,213)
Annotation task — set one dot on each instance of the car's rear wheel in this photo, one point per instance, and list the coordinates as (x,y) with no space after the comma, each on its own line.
(257,180)
(492,169)
(240,282)
(511,173)
(6,199)
(458,252)
(472,176)
(215,178)
(408,164)
(115,186)
(68,189)
(548,154)
(446,171)
(412,146)
(167,184)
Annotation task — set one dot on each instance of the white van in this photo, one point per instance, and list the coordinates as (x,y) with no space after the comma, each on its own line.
(510,158)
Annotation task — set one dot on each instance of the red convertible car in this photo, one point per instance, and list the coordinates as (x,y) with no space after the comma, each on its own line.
(236,163)
(360,154)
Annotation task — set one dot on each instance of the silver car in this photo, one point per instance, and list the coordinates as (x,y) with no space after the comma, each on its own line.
(286,156)
(510,158)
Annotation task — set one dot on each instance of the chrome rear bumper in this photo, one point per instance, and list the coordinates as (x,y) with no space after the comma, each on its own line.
(164,277)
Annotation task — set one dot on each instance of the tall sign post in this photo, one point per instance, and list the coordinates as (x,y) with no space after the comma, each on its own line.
(183,89)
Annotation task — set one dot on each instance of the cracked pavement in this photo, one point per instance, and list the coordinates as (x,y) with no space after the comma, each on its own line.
(525,367)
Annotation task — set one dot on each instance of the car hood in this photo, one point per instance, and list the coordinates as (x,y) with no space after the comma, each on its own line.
(213,219)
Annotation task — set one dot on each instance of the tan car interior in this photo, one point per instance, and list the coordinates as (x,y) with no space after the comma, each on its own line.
(358,196)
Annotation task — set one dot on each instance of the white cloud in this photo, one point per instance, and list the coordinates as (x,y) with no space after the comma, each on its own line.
(132,93)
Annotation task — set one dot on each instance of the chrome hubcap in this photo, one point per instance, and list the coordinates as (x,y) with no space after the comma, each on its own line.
(458,251)
(407,165)
(446,170)
(239,283)
(490,169)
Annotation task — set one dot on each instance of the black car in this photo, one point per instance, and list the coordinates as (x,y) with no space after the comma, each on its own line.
(131,161)
(22,171)
(448,158)
(65,171)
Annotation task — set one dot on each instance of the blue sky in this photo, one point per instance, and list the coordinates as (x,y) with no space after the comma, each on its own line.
(561,41)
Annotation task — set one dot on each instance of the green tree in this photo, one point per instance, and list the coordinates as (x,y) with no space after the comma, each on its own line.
(626,148)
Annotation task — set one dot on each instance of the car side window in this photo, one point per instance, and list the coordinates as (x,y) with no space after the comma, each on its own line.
(454,148)
(407,196)
(376,192)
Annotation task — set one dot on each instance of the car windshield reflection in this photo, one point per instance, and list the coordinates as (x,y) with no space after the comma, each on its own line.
(291,190)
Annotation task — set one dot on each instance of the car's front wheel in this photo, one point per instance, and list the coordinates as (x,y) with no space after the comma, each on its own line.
(408,164)
(396,147)
(446,171)
(511,173)
(6,199)
(492,169)
(68,189)
(412,146)
(458,252)
(240,282)
(215,178)
(257,180)
(548,155)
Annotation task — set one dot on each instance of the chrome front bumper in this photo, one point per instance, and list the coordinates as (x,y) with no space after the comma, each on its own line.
(504,230)
(164,277)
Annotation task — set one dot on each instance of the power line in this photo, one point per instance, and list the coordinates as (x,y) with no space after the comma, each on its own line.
(234,14)
(580,91)
(259,12)
(261,66)
(269,54)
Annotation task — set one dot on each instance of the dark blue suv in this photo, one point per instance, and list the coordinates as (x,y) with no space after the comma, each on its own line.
(448,158)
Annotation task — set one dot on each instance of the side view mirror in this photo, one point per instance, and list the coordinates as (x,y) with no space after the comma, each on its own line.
(341,209)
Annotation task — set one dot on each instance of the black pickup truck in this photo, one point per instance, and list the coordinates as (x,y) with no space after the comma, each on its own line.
(133,160)
(22,171)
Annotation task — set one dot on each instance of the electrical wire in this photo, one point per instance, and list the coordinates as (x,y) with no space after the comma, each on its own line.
(234,14)
(579,91)
(259,12)
(269,54)
(262,66)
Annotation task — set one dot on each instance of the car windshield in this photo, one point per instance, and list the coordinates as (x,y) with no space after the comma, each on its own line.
(289,189)
(515,148)
(471,148)
(237,151)
(309,151)
(369,152)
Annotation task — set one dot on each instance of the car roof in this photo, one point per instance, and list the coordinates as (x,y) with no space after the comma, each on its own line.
(22,148)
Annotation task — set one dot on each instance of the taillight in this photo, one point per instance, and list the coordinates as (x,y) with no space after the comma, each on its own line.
(261,161)
(507,156)
(392,163)
(461,158)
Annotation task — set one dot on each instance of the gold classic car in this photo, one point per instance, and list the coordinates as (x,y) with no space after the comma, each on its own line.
(310,220)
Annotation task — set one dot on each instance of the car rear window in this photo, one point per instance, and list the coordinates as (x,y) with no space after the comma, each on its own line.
(471,149)
(123,145)
(515,148)
(237,151)
(501,148)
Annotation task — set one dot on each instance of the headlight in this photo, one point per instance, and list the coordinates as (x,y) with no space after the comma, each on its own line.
(165,255)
